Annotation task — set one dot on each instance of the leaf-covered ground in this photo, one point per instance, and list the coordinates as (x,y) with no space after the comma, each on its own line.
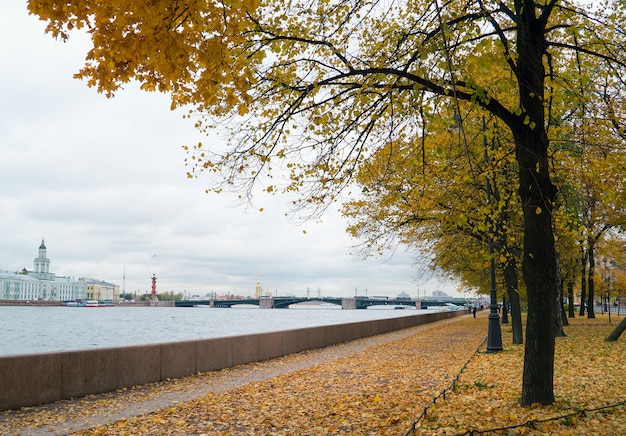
(382,390)
(375,391)
(589,374)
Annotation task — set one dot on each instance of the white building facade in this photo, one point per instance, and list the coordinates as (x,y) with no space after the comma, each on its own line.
(41,284)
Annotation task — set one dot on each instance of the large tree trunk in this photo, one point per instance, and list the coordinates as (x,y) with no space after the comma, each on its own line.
(537,194)
(560,317)
(511,284)
(564,320)
(592,264)
(539,275)
(570,297)
(583,283)
(615,334)
(561,309)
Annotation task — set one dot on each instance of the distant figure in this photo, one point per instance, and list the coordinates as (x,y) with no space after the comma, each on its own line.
(474,311)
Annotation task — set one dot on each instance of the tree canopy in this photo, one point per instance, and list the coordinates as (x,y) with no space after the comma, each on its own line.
(310,90)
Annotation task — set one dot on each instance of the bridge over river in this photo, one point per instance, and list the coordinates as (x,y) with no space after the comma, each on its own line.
(285,302)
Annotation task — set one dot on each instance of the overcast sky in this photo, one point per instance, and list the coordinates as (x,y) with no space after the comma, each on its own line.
(104,182)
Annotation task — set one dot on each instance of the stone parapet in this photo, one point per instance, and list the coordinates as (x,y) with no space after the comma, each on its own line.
(31,379)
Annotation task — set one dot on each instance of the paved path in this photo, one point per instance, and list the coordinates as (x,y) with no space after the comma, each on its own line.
(69,416)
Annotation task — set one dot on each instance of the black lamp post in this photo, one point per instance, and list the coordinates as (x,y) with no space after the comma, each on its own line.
(494,335)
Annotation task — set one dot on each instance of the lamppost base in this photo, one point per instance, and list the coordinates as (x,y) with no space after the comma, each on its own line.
(494,335)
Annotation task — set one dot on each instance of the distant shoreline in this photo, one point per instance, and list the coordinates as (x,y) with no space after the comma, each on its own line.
(29,303)
(56,303)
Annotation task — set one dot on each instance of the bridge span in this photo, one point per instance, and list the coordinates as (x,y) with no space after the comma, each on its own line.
(284,302)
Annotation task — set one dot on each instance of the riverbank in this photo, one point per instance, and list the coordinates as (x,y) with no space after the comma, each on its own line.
(55,303)
(30,379)
(348,378)
(374,386)
(47,303)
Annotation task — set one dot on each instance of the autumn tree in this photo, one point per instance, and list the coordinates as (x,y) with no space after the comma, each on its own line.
(315,87)
(614,253)
(433,198)
(592,200)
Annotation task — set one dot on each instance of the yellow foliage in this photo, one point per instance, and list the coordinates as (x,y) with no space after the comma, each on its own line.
(187,48)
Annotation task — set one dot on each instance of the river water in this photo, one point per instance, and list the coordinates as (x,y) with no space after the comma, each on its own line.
(25,330)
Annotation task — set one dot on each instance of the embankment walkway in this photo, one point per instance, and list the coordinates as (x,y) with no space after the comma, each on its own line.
(80,415)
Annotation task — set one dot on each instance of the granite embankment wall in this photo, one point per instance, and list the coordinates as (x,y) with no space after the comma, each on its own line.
(31,379)
(29,303)
(58,303)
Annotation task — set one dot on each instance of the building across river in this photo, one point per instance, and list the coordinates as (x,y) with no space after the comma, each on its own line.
(41,284)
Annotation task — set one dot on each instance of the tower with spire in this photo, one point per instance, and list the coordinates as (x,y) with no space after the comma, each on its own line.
(258,291)
(41,284)
(42,264)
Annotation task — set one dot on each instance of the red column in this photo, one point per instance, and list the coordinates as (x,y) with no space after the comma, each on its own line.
(154,279)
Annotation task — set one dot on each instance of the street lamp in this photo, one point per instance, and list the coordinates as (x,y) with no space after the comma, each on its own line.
(494,335)
(606,286)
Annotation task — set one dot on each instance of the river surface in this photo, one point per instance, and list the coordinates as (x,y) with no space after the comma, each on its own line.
(37,329)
